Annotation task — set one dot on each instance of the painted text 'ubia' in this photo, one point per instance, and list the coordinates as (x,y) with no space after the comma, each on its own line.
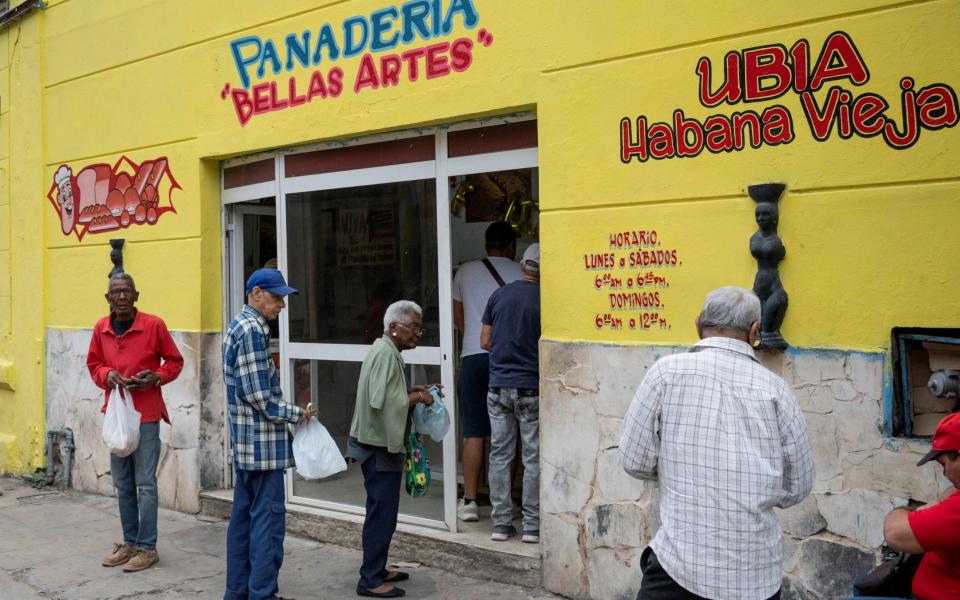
(769,72)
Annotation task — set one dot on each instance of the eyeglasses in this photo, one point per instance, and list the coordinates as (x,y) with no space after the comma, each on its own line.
(121,292)
(416,330)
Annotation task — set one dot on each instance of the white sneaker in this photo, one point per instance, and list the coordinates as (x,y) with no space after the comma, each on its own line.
(531,537)
(467,512)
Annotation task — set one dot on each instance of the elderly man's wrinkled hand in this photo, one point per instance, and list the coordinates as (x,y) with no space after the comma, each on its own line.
(308,412)
(115,379)
(142,381)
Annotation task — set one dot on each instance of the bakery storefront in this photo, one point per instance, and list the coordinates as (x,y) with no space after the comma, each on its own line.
(364,146)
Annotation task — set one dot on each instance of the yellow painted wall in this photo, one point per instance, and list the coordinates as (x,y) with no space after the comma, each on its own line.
(869,230)
(863,224)
(22,298)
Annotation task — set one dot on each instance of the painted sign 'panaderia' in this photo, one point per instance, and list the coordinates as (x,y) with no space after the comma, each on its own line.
(769,72)
(391,43)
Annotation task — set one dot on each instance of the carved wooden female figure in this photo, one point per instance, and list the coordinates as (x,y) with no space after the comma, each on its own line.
(767,247)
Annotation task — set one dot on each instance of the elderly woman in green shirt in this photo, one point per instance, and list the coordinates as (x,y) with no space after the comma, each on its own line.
(380,421)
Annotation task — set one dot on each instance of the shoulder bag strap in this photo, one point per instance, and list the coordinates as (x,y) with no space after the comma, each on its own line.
(493,271)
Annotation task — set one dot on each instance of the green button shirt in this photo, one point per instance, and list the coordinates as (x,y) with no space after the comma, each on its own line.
(380,416)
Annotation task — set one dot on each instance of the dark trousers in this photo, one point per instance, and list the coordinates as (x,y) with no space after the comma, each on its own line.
(658,585)
(255,535)
(383,504)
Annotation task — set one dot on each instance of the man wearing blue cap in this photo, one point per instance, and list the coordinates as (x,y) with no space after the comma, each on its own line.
(259,439)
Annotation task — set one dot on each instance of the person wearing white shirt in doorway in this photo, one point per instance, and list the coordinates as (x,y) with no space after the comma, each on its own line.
(473,284)
(726,442)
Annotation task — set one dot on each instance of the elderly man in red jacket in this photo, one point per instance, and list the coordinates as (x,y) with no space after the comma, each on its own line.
(134,350)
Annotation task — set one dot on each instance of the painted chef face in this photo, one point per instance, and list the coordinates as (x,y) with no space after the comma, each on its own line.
(65,199)
(66,196)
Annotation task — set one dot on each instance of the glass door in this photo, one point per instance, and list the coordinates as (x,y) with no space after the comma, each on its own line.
(356,241)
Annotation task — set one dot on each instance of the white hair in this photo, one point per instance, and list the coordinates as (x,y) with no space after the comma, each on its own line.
(730,307)
(399,312)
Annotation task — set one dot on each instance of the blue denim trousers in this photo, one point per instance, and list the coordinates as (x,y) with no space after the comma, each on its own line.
(135,478)
(255,535)
(514,410)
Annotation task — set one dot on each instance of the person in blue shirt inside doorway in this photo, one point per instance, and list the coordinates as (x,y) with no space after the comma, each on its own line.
(510,333)
(473,285)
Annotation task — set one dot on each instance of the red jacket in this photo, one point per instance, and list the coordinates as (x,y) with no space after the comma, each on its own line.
(937,530)
(140,348)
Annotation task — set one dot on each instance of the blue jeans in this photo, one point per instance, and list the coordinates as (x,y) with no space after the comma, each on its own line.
(383,504)
(513,409)
(135,478)
(255,535)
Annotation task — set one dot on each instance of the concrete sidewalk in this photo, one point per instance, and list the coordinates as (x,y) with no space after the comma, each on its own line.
(51,544)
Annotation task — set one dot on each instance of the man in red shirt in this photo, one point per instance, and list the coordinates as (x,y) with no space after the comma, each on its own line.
(934,530)
(132,349)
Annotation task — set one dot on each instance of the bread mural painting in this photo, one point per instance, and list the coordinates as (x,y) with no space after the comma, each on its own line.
(102,198)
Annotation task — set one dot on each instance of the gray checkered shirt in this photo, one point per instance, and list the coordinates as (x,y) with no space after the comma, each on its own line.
(727,442)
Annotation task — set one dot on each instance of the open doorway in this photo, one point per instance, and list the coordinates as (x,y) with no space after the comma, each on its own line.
(494,218)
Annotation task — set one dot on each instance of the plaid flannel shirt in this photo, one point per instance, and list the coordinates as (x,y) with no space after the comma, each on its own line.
(259,436)
(727,442)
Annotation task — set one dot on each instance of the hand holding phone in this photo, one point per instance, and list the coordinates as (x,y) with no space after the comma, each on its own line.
(141,380)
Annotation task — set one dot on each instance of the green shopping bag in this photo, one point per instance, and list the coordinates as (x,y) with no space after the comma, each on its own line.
(417,466)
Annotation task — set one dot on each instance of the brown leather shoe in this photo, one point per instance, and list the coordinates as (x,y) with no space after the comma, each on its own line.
(121,554)
(143,559)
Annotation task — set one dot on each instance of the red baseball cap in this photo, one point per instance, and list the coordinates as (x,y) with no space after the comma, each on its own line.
(945,438)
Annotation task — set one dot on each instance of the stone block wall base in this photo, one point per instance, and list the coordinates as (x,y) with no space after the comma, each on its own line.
(597,520)
(193,446)
(417,544)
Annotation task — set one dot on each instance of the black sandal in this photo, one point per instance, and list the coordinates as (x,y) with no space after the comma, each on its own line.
(394,593)
(397,576)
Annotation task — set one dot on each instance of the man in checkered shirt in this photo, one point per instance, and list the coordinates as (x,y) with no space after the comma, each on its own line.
(260,441)
(726,441)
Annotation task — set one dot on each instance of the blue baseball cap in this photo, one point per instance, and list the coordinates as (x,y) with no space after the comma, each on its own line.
(270,280)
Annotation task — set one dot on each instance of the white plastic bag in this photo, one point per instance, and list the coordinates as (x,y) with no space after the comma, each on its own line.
(121,426)
(315,452)
(433,420)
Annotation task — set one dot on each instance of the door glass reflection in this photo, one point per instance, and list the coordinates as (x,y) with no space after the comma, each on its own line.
(354,251)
